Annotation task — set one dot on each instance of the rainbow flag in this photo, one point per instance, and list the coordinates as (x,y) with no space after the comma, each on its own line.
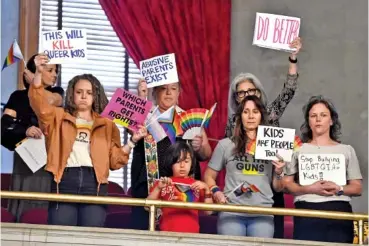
(251,146)
(14,55)
(187,196)
(209,115)
(170,130)
(177,125)
(167,116)
(196,116)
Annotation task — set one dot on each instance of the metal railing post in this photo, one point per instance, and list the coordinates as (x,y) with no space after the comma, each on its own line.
(152,218)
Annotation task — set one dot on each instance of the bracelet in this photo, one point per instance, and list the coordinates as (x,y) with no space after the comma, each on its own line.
(292,61)
(131,139)
(208,195)
(214,189)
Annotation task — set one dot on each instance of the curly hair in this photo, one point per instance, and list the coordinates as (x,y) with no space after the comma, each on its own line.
(335,129)
(100,100)
(240,137)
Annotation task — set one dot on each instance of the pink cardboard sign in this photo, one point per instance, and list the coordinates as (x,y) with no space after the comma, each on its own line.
(127,109)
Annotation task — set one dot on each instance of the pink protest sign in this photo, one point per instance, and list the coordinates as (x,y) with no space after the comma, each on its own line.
(275,31)
(127,109)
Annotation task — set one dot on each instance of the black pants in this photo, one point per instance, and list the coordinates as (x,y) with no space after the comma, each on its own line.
(140,217)
(325,230)
(278,220)
(78,181)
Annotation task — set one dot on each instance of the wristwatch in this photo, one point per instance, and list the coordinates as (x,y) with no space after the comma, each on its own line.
(340,192)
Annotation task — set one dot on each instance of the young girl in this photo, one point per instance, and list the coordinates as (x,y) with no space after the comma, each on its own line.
(81,146)
(178,185)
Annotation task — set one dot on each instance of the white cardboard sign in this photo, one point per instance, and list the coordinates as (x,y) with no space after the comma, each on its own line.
(275,31)
(272,140)
(159,70)
(64,46)
(328,167)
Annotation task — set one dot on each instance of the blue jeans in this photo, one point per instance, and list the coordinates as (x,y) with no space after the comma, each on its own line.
(253,226)
(78,181)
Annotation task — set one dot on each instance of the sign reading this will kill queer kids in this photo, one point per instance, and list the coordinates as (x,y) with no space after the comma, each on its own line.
(64,46)
(127,109)
(275,31)
(159,70)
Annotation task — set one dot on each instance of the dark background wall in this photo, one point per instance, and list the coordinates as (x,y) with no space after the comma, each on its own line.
(333,62)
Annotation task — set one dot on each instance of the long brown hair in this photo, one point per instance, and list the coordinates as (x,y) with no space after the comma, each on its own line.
(100,99)
(239,136)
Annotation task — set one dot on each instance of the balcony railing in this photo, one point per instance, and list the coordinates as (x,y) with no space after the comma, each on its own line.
(153,204)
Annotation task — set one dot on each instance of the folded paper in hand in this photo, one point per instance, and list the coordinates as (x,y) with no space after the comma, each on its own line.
(33,152)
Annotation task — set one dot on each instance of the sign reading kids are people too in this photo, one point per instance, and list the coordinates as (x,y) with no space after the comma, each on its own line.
(272,140)
(64,46)
(275,31)
(159,70)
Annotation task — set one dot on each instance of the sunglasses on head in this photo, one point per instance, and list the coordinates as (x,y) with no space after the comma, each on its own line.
(249,92)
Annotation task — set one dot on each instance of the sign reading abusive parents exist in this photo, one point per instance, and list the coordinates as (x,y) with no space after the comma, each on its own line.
(271,141)
(159,70)
(275,31)
(64,46)
(127,109)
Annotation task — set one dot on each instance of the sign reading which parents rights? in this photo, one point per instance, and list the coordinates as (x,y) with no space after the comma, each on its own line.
(64,46)
(271,141)
(275,31)
(159,70)
(319,167)
(127,109)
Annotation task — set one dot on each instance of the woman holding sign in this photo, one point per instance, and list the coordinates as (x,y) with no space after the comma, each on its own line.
(165,97)
(327,174)
(248,84)
(19,122)
(248,181)
(81,146)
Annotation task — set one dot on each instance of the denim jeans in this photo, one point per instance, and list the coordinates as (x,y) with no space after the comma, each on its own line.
(251,226)
(78,181)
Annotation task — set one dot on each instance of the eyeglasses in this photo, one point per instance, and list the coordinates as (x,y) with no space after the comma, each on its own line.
(249,92)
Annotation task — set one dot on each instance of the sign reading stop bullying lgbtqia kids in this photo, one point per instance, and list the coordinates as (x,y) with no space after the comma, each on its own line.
(127,109)
(64,46)
(275,31)
(159,70)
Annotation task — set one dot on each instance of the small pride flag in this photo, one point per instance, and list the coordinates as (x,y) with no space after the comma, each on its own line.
(14,55)
(208,117)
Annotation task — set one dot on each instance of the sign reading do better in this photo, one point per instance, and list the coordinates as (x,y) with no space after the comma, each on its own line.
(275,31)
(64,46)
(328,167)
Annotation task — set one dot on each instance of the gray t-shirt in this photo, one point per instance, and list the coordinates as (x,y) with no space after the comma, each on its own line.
(243,170)
(352,168)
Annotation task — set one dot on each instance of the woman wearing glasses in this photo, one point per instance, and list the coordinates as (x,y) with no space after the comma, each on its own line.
(247,84)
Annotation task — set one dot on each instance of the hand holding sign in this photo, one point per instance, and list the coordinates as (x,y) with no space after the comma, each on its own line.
(142,90)
(40,61)
(139,134)
(296,45)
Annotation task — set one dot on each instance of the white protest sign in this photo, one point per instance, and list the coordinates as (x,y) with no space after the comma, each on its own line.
(33,152)
(64,46)
(328,167)
(159,70)
(275,31)
(272,140)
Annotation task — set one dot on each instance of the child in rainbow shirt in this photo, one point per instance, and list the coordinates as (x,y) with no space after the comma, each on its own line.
(176,184)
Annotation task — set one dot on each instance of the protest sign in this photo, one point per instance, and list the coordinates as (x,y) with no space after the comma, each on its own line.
(127,109)
(275,31)
(272,140)
(159,70)
(64,46)
(328,167)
